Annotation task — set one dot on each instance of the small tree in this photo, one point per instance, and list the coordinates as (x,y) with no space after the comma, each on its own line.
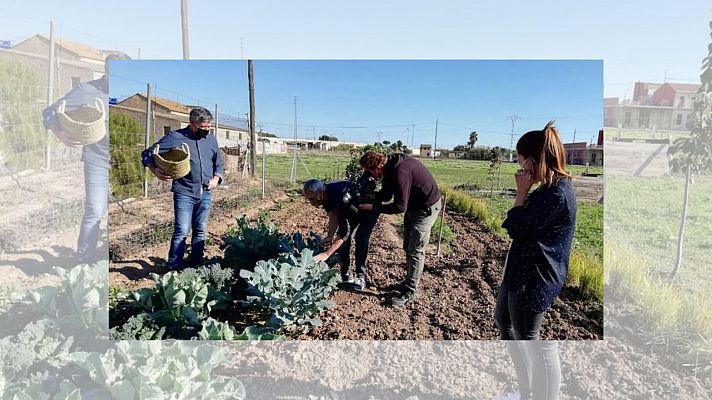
(353,169)
(473,140)
(493,172)
(693,156)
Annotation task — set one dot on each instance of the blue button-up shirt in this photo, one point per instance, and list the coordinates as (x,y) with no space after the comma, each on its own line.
(205,160)
(542,232)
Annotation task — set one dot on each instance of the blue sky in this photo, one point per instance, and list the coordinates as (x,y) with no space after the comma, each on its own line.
(367,100)
(638,39)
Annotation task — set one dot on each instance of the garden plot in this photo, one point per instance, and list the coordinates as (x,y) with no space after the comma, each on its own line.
(455,301)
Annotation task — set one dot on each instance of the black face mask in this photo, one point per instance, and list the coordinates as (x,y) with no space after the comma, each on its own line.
(202,132)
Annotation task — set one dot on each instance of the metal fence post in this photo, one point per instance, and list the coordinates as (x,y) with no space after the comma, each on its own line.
(264,164)
(50,89)
(147,139)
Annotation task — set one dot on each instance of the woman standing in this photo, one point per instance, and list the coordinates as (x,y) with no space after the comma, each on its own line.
(541,225)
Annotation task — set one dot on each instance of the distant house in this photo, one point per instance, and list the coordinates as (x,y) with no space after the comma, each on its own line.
(426,150)
(664,106)
(77,62)
(169,115)
(581,153)
(309,144)
(456,154)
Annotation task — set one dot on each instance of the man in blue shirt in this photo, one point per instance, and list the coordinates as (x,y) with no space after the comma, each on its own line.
(192,194)
(95,157)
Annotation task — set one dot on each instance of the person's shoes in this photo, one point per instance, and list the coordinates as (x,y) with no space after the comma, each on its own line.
(358,284)
(396,287)
(345,283)
(405,297)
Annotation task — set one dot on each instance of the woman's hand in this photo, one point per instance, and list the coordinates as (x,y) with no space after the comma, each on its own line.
(524,179)
(322,256)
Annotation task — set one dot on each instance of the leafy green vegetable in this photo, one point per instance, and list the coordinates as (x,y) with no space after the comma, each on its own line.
(158,370)
(53,359)
(294,289)
(259,333)
(138,327)
(216,330)
(253,243)
(80,303)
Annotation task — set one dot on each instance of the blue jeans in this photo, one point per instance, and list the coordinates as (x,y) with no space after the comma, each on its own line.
(96,192)
(535,361)
(189,213)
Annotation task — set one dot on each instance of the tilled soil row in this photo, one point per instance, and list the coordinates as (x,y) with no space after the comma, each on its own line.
(457,292)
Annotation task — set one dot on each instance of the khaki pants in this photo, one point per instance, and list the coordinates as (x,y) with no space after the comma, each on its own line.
(417,226)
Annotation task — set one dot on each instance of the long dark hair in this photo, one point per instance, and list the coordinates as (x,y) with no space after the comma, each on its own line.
(545,148)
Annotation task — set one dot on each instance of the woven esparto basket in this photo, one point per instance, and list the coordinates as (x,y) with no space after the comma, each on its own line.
(85,125)
(175,162)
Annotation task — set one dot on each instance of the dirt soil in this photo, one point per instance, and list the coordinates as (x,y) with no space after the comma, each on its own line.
(457,292)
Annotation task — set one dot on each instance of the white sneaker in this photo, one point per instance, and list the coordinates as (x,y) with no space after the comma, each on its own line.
(358,284)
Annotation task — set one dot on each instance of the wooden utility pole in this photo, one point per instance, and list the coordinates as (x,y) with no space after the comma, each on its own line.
(253,140)
(435,147)
(184,28)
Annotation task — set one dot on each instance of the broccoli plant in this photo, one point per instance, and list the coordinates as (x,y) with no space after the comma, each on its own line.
(177,302)
(52,358)
(294,289)
(79,303)
(216,330)
(159,370)
(252,243)
(138,327)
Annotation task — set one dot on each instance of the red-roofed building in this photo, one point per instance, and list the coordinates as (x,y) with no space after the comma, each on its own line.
(663,106)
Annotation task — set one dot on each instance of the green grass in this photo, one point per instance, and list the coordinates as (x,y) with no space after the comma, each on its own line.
(447,172)
(643,134)
(664,307)
(644,213)
(586,272)
(642,222)
(588,235)
(448,235)
(476,209)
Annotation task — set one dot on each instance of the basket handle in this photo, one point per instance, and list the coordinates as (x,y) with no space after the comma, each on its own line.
(61,107)
(99,105)
(185,148)
(155,149)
